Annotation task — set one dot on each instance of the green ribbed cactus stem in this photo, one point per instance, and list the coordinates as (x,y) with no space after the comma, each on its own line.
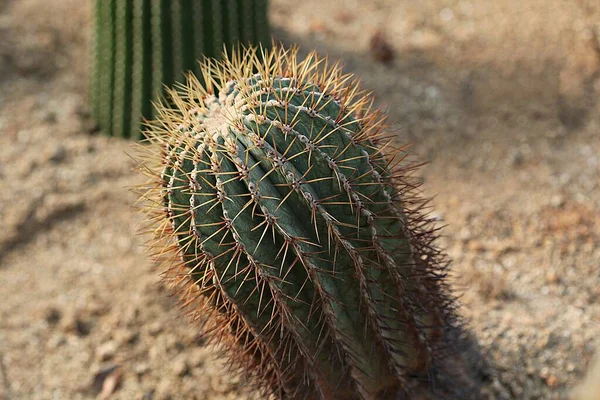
(142,45)
(288,222)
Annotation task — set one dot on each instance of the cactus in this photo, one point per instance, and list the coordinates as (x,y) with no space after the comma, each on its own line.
(290,224)
(142,44)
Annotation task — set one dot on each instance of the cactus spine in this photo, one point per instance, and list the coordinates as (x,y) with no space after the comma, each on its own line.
(141,45)
(289,222)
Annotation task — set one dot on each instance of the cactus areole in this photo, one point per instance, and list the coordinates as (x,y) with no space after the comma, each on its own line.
(290,226)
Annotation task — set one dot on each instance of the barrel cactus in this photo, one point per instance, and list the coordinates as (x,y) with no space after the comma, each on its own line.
(141,45)
(290,226)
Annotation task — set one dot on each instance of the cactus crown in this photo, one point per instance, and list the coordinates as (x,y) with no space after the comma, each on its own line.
(290,227)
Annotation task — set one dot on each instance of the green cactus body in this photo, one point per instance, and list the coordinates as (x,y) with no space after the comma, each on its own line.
(141,45)
(288,212)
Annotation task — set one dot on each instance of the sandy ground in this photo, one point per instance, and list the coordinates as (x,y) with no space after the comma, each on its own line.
(500,97)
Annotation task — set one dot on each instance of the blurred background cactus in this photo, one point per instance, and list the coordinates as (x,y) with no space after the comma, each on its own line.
(141,45)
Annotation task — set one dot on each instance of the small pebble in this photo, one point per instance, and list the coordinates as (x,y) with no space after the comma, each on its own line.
(141,368)
(557,201)
(552,381)
(551,277)
(181,368)
(57,154)
(155,328)
(52,316)
(106,351)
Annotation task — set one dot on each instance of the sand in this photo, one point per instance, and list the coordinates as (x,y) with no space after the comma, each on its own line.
(499,97)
